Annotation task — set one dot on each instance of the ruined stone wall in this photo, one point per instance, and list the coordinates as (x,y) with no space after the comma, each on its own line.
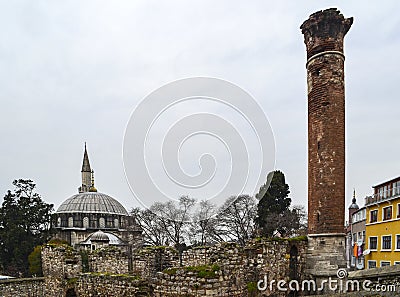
(231,270)
(226,269)
(111,260)
(59,264)
(88,285)
(33,287)
(150,260)
(188,283)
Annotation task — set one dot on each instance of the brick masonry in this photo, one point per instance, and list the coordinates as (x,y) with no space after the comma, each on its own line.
(324,33)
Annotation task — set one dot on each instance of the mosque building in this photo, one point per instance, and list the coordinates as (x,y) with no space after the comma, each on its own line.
(91,219)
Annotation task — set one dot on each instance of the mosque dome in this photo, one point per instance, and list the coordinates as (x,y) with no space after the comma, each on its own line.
(100,236)
(92,202)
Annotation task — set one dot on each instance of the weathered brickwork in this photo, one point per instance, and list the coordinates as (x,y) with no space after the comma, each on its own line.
(324,33)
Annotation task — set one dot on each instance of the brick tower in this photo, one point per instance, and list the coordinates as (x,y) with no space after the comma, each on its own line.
(324,33)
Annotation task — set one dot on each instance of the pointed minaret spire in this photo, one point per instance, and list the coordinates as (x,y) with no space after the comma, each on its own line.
(354,196)
(86,173)
(86,163)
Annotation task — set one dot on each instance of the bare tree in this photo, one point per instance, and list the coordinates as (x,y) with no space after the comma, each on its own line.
(153,231)
(174,218)
(205,224)
(236,219)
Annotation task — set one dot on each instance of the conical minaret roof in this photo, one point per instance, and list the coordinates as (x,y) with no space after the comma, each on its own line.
(86,163)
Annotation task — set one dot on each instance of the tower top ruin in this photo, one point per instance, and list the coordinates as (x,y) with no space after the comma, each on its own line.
(324,31)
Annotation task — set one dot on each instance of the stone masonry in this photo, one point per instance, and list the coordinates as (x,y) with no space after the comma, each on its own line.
(110,260)
(225,269)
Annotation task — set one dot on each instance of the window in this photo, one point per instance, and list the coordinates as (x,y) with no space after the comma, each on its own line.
(353,261)
(371,264)
(70,222)
(385,263)
(387,242)
(354,237)
(373,216)
(396,262)
(102,223)
(385,188)
(387,213)
(110,222)
(116,223)
(85,222)
(363,238)
(398,210)
(398,242)
(373,243)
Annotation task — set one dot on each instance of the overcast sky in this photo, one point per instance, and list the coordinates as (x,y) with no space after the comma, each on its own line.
(73,71)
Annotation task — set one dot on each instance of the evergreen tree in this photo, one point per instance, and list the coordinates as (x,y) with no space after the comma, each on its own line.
(273,203)
(25,221)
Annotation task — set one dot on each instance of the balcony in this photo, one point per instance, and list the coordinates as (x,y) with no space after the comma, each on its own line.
(383,196)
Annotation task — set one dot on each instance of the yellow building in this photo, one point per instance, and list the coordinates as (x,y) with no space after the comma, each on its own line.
(383,225)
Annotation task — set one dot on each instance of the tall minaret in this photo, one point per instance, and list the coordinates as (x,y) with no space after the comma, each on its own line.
(86,174)
(324,34)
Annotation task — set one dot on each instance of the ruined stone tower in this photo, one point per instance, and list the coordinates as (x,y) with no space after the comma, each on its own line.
(324,33)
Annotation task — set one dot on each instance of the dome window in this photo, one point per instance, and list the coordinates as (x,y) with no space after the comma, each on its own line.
(116,223)
(85,222)
(102,223)
(70,222)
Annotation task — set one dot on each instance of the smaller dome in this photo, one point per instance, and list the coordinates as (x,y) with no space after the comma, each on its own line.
(354,204)
(105,237)
(99,236)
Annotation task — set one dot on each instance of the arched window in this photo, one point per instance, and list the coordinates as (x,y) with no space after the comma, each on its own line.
(85,222)
(70,222)
(59,222)
(102,223)
(116,223)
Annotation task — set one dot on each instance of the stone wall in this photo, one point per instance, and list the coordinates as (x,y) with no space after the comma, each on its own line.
(150,260)
(32,287)
(88,285)
(111,260)
(193,283)
(225,269)
(231,270)
(59,263)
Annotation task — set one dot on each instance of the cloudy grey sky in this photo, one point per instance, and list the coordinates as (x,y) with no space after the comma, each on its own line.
(73,71)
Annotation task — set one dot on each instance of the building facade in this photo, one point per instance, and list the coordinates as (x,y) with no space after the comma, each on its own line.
(355,236)
(383,225)
(358,232)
